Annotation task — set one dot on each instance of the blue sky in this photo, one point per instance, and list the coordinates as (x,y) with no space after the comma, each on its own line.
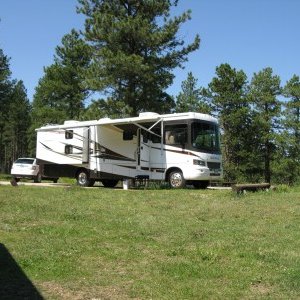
(248,34)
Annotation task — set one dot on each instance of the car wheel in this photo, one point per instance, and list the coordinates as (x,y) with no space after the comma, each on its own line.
(176,180)
(38,178)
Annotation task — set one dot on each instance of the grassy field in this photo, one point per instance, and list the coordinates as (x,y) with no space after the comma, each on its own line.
(98,243)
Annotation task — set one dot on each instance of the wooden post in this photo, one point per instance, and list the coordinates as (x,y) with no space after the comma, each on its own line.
(240,188)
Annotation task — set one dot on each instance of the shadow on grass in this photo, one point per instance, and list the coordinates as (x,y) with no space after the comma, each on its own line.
(14,284)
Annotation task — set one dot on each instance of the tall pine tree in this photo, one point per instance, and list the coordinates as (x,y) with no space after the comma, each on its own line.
(135,48)
(288,160)
(264,91)
(229,102)
(15,133)
(14,116)
(60,92)
(292,112)
(5,87)
(191,98)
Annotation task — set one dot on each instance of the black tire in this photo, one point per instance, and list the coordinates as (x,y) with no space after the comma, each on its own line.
(83,179)
(55,180)
(176,180)
(38,178)
(201,184)
(109,183)
(16,179)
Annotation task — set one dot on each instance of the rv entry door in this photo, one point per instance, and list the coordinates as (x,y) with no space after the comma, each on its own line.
(143,150)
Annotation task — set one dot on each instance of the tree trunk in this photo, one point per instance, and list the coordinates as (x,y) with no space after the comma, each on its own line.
(267,162)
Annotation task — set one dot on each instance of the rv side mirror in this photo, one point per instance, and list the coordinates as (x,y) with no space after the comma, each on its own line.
(127,135)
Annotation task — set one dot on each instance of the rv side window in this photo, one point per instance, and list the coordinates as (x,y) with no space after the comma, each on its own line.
(155,138)
(145,136)
(68,149)
(69,134)
(127,136)
(176,134)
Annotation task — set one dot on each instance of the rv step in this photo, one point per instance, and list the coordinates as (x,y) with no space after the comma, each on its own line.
(141,180)
(142,177)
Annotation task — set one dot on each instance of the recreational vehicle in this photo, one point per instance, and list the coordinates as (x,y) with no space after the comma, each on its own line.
(182,148)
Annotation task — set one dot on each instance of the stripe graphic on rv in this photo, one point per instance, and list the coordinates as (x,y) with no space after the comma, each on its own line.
(127,167)
(63,154)
(158,170)
(109,154)
(178,151)
(113,157)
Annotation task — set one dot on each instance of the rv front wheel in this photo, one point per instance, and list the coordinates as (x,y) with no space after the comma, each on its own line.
(176,180)
(83,179)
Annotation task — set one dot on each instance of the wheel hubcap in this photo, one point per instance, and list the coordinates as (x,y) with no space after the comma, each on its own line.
(82,178)
(176,180)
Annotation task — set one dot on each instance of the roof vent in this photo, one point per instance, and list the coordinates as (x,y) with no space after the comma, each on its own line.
(71,122)
(148,114)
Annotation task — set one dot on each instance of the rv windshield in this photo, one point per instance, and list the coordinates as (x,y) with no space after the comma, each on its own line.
(205,137)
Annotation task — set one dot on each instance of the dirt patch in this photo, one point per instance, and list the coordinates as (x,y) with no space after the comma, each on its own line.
(260,289)
(54,290)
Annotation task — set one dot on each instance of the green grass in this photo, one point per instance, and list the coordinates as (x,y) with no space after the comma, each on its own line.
(100,243)
(5,177)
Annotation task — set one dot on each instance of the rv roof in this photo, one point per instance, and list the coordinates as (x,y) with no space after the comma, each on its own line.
(143,117)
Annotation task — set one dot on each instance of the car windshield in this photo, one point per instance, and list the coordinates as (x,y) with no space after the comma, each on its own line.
(205,137)
(28,161)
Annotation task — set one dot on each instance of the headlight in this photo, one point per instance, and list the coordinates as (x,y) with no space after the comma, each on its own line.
(199,162)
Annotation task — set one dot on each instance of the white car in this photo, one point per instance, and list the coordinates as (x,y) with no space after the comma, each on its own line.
(26,168)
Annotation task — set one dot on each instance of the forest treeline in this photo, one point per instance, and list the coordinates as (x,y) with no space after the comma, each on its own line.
(123,62)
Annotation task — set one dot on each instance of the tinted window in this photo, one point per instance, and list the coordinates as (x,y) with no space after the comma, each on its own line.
(69,149)
(69,134)
(156,138)
(176,134)
(205,137)
(28,161)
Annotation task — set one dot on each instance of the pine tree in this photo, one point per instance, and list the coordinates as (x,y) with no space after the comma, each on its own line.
(288,160)
(61,90)
(60,94)
(292,112)
(191,98)
(135,48)
(15,130)
(229,103)
(264,90)
(5,88)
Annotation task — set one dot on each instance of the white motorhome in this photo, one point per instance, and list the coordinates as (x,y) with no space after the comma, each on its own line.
(182,148)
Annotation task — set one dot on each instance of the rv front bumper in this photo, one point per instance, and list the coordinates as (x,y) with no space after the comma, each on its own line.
(202,174)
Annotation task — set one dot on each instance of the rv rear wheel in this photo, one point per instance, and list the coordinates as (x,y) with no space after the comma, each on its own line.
(83,179)
(109,183)
(176,180)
